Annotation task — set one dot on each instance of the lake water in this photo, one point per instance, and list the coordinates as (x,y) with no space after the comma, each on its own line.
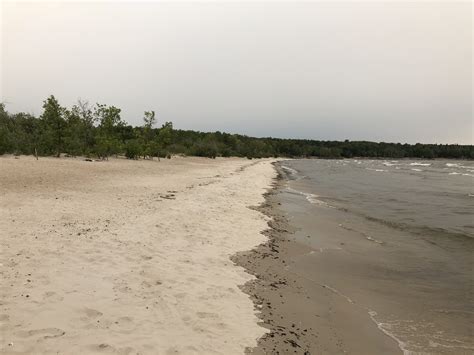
(428,197)
(395,236)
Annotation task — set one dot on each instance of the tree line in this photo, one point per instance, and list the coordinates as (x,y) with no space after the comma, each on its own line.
(98,130)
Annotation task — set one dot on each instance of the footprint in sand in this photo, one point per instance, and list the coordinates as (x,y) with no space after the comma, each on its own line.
(124,325)
(51,296)
(203,315)
(90,318)
(109,349)
(45,333)
(91,313)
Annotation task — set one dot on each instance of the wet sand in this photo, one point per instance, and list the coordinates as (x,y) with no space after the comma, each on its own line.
(304,316)
(128,257)
(325,288)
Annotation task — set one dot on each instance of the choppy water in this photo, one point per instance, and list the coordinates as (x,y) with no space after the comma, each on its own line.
(415,275)
(428,197)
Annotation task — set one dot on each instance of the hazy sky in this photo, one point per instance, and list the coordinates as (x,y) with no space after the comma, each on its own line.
(384,71)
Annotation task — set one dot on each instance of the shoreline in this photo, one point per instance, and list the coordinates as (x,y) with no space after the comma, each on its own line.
(331,281)
(301,314)
(280,337)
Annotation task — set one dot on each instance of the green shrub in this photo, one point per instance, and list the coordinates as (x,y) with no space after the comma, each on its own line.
(133,149)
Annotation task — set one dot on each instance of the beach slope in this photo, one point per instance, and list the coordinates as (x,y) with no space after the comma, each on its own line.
(128,256)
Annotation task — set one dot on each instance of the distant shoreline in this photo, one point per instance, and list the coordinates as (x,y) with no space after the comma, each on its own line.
(88,158)
(99,130)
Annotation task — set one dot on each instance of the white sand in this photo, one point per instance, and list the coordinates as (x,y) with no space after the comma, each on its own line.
(94,257)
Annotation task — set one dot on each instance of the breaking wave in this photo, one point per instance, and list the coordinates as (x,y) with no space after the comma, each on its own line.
(311,198)
(420,164)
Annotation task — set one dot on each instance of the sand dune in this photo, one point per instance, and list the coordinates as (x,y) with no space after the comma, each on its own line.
(128,256)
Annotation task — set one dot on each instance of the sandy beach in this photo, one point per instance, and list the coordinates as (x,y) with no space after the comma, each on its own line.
(128,256)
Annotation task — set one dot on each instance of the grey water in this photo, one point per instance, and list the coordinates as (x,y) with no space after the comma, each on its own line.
(396,236)
(430,197)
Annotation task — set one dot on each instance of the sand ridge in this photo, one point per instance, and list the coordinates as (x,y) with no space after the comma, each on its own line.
(128,256)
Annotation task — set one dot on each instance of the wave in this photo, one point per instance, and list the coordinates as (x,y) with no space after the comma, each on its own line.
(290,173)
(385,328)
(391,163)
(463,174)
(311,198)
(420,230)
(420,164)
(457,165)
(414,169)
(379,170)
(291,170)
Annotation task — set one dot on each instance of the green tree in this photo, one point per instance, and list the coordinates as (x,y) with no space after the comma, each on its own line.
(108,137)
(149,120)
(54,124)
(81,126)
(165,134)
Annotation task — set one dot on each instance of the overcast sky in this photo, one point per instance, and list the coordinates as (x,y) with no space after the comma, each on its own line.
(382,71)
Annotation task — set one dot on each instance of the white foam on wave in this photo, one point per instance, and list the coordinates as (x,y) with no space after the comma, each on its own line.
(378,170)
(291,170)
(338,293)
(420,164)
(384,327)
(463,174)
(373,240)
(457,165)
(391,163)
(434,344)
(311,198)
(416,169)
